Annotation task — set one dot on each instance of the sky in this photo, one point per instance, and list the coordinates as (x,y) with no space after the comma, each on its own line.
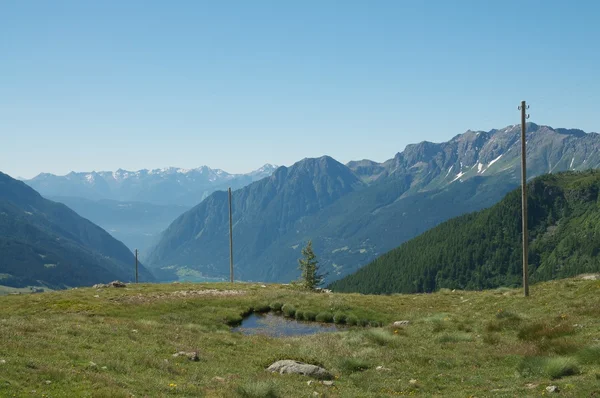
(102,85)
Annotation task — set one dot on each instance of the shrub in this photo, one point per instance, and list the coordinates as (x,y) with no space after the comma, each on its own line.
(454,338)
(299,315)
(352,320)
(380,336)
(257,389)
(589,355)
(326,317)
(363,322)
(288,310)
(261,309)
(276,306)
(351,365)
(375,324)
(531,366)
(310,316)
(501,314)
(339,318)
(555,368)
(438,325)
(233,320)
(491,338)
(539,330)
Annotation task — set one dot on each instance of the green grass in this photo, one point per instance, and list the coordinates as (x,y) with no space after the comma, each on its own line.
(131,334)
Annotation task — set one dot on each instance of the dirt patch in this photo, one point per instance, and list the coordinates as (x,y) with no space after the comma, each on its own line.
(145,298)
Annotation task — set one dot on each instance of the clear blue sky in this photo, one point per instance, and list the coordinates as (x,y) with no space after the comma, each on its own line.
(98,85)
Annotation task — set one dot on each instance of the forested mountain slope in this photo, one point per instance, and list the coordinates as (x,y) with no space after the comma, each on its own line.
(483,250)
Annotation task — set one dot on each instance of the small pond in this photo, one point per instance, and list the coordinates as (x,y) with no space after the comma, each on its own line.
(279,326)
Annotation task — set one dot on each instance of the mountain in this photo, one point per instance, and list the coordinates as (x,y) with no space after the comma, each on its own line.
(46,243)
(169,186)
(136,224)
(264,211)
(483,250)
(389,203)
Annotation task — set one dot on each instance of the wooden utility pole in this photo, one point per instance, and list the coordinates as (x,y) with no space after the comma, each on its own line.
(230,241)
(136,265)
(524,116)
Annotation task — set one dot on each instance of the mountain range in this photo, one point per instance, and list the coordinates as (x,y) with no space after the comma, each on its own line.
(168,186)
(483,250)
(354,213)
(44,243)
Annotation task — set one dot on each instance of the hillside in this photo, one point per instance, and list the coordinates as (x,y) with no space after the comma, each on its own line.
(394,201)
(121,343)
(483,250)
(46,243)
(168,186)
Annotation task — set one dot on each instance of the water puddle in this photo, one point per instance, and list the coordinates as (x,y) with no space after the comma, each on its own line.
(279,326)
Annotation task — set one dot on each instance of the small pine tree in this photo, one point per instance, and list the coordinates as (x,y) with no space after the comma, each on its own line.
(310,278)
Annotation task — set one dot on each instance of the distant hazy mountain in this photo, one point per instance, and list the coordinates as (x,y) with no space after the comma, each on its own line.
(171,186)
(136,224)
(46,243)
(483,250)
(363,209)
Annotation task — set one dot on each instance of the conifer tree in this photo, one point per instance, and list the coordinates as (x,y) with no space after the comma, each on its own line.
(309,266)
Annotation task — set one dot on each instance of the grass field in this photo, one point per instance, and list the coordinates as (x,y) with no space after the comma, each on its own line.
(119,342)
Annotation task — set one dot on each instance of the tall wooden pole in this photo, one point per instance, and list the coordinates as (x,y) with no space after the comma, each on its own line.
(136,266)
(230,241)
(524,117)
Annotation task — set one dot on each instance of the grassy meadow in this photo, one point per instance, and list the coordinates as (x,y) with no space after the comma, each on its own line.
(119,342)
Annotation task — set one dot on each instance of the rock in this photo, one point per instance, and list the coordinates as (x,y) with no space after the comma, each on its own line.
(111,284)
(104,368)
(310,382)
(531,386)
(327,383)
(93,364)
(382,368)
(413,381)
(399,324)
(551,389)
(316,394)
(263,285)
(2,361)
(295,367)
(48,382)
(192,356)
(96,296)
(592,277)
(219,379)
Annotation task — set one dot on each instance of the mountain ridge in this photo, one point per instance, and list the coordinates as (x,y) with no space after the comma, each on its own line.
(169,185)
(389,203)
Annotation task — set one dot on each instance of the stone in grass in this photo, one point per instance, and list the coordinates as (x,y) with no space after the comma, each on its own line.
(192,356)
(2,361)
(399,324)
(111,284)
(327,383)
(551,389)
(294,367)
